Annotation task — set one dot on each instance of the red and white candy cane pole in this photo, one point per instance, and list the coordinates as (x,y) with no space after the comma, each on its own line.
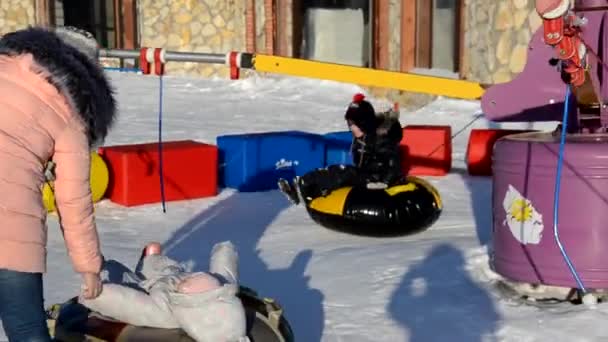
(147,58)
(144,64)
(233,59)
(152,56)
(159,61)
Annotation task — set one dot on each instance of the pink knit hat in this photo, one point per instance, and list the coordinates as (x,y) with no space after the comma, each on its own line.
(197,283)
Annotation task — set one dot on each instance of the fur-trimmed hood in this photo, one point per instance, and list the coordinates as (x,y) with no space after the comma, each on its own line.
(77,77)
(388,125)
(391,113)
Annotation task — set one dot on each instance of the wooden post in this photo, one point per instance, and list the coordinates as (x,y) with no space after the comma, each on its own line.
(282,28)
(269,26)
(129,24)
(45,12)
(381,34)
(408,35)
(118,36)
(424,34)
(297,24)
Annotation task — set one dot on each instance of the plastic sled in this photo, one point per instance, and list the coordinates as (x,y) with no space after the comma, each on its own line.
(71,322)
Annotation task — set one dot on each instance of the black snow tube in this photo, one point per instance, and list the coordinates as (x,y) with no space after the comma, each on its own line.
(71,322)
(402,209)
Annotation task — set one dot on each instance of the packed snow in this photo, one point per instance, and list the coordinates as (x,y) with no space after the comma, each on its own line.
(433,286)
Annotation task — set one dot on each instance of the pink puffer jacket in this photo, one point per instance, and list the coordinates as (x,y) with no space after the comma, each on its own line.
(38,123)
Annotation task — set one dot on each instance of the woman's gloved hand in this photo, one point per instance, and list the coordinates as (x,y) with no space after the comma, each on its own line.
(91,285)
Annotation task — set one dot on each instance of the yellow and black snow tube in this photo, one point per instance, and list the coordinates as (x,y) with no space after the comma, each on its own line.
(399,210)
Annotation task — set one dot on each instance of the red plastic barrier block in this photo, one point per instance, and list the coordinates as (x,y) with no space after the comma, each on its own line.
(189,171)
(480,147)
(426,150)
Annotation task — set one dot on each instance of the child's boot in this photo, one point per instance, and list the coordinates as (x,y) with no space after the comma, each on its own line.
(289,190)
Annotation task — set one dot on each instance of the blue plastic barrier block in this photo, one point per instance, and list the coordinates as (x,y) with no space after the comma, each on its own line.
(337,148)
(255,162)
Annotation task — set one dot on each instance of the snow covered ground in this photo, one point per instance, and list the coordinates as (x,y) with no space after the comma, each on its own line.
(433,286)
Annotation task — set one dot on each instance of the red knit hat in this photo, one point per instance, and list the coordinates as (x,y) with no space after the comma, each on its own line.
(361,113)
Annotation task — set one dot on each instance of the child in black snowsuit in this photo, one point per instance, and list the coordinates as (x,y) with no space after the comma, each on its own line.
(375,152)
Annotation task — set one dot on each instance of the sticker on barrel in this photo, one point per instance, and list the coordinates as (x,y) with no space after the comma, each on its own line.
(524,221)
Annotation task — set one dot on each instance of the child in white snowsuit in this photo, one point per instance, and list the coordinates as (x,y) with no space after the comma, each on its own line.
(161,293)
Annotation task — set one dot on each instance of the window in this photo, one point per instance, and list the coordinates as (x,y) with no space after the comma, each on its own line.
(438,35)
(337,31)
(445,34)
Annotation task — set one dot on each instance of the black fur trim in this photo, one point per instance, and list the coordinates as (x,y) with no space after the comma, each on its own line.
(77,77)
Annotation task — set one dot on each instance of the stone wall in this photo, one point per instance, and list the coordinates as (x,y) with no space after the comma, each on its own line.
(212,26)
(497,37)
(16,14)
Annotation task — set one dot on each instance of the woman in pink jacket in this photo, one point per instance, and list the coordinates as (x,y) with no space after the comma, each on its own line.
(55,104)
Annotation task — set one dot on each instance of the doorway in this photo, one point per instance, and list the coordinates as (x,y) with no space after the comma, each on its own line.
(94,16)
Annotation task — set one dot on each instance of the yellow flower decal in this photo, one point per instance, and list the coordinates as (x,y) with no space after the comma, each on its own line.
(521,210)
(525,223)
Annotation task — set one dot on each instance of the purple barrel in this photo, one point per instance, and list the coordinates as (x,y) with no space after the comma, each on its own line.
(524,247)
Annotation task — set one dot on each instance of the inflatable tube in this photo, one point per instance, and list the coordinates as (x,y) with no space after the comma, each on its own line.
(73,322)
(99,179)
(399,210)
